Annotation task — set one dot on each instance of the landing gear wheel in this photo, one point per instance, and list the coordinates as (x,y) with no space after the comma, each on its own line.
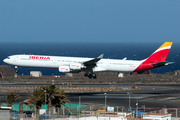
(94,76)
(86,75)
(90,76)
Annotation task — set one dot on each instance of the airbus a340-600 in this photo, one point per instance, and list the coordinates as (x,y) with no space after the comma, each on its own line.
(91,65)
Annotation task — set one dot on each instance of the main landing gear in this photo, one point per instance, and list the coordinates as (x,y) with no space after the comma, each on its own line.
(16,67)
(90,75)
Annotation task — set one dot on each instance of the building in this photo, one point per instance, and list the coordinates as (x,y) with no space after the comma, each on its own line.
(155,116)
(4,113)
(6,71)
(177,72)
(35,73)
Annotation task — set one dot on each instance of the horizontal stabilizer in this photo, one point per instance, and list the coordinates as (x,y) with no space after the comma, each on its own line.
(171,63)
(159,64)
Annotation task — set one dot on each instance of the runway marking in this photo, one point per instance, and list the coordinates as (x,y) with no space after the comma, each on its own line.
(147,99)
(175,100)
(87,103)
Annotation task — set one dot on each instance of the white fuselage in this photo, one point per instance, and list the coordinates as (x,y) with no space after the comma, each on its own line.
(39,61)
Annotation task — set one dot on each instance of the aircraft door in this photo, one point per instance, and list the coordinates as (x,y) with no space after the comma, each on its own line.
(15,59)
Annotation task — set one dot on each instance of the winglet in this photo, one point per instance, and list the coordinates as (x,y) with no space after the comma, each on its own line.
(101,56)
(124,58)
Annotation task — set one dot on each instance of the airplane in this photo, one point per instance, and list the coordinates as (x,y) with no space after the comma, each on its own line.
(91,65)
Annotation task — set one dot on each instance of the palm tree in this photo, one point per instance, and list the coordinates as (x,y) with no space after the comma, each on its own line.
(36,97)
(51,91)
(10,99)
(55,96)
(60,99)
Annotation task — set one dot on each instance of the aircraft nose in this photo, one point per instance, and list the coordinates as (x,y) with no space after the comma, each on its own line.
(5,60)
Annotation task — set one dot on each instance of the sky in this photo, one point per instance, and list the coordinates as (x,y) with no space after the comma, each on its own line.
(94,21)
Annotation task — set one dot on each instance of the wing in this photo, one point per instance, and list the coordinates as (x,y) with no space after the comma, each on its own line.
(93,61)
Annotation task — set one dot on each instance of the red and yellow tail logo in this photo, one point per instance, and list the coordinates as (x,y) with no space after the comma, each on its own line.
(161,53)
(158,56)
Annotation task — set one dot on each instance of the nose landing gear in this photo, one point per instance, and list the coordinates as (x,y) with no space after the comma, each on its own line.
(16,67)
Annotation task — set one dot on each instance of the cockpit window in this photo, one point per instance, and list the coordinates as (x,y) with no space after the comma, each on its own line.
(8,58)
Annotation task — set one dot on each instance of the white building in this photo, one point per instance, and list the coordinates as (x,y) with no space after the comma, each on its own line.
(35,74)
(155,116)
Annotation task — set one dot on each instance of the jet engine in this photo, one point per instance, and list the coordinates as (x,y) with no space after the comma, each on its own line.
(76,66)
(64,69)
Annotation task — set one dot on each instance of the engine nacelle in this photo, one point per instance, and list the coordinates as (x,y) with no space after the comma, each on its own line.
(75,66)
(64,69)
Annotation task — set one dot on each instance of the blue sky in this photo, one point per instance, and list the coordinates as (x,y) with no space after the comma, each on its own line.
(89,21)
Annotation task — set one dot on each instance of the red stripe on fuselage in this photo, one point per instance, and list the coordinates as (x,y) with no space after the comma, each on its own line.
(156,57)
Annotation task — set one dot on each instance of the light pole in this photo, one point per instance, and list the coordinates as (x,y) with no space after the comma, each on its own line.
(137,109)
(79,105)
(45,102)
(105,94)
(129,93)
(143,107)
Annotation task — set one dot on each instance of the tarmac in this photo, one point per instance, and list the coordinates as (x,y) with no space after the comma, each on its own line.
(150,95)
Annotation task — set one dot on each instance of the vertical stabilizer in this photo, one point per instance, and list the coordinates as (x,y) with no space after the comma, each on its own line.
(157,59)
(160,54)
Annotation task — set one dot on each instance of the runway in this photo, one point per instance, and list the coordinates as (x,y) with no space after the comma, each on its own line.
(145,87)
(150,95)
(152,99)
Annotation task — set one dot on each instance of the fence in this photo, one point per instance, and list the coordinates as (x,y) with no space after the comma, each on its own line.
(90,111)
